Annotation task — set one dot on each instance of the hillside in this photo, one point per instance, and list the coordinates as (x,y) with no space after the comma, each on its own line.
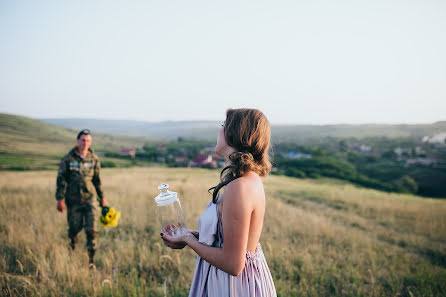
(305,133)
(31,143)
(320,238)
(202,130)
(206,130)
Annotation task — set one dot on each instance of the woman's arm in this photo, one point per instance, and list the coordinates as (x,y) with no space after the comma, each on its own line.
(236,216)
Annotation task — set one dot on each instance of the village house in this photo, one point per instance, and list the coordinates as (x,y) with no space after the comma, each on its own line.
(221,162)
(128,152)
(419,150)
(400,152)
(422,161)
(181,161)
(204,161)
(363,148)
(161,148)
(297,155)
(437,138)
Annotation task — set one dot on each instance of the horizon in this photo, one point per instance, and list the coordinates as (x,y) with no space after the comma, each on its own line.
(213,121)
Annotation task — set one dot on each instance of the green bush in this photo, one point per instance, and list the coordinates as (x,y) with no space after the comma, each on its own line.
(406,184)
(313,174)
(295,173)
(108,164)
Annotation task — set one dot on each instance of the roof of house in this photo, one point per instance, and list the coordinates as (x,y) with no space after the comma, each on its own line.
(202,158)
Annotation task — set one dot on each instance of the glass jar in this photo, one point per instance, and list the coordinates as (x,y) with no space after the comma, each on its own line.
(170,214)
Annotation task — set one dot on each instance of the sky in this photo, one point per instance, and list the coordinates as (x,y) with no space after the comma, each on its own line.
(300,62)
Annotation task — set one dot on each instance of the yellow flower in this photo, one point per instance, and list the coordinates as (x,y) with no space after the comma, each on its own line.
(111,218)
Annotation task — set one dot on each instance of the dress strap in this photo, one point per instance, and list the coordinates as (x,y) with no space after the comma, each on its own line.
(219,238)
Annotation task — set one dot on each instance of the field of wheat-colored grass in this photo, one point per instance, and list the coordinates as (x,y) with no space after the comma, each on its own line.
(320,238)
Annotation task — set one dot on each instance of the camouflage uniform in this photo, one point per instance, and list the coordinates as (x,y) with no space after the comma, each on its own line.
(75,182)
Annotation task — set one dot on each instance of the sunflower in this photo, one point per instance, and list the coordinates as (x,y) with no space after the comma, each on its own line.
(109,217)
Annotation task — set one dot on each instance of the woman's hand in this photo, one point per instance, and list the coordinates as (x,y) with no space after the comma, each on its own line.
(195,233)
(179,242)
(175,246)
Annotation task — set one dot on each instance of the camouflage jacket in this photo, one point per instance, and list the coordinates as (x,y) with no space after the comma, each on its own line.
(77,177)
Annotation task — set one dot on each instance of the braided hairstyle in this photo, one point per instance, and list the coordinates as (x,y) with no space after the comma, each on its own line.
(248,132)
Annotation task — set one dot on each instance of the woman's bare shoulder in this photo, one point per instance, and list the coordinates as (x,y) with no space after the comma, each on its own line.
(248,187)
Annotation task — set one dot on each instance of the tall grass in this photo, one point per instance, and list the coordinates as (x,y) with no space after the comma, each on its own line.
(320,238)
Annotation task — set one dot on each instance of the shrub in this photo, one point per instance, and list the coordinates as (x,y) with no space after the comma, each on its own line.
(406,184)
(295,172)
(108,164)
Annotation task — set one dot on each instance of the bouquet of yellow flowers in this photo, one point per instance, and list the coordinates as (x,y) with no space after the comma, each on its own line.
(109,217)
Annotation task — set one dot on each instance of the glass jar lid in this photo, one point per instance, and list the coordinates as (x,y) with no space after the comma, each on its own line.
(165,197)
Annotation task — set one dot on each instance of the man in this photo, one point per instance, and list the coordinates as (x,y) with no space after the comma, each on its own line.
(78,175)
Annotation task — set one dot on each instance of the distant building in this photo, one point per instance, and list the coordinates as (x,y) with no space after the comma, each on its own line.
(221,162)
(297,155)
(204,161)
(422,161)
(400,152)
(128,152)
(437,138)
(161,148)
(181,161)
(363,148)
(419,150)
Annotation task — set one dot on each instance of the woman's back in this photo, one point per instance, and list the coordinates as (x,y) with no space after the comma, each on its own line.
(251,197)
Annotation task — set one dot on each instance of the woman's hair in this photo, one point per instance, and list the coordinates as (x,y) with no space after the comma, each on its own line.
(248,132)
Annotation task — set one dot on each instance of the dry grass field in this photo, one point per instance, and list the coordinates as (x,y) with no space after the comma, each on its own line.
(320,238)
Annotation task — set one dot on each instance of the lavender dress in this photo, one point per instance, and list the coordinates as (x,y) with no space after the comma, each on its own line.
(255,279)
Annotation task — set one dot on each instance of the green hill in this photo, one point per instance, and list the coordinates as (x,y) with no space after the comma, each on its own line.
(308,133)
(27,143)
(168,130)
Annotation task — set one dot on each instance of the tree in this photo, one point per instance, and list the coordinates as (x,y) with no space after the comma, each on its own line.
(343,145)
(406,184)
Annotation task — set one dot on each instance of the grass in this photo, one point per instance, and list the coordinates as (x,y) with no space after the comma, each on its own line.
(320,238)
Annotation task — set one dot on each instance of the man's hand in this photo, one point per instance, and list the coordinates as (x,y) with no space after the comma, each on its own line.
(103,202)
(60,205)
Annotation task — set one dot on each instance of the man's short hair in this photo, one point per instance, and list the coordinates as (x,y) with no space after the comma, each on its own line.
(83,132)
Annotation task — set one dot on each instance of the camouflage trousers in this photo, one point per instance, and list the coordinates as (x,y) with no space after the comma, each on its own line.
(82,216)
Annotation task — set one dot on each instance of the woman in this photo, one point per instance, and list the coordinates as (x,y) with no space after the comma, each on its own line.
(230,260)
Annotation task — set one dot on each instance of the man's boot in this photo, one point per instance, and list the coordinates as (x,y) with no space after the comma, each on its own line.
(91,253)
(71,245)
